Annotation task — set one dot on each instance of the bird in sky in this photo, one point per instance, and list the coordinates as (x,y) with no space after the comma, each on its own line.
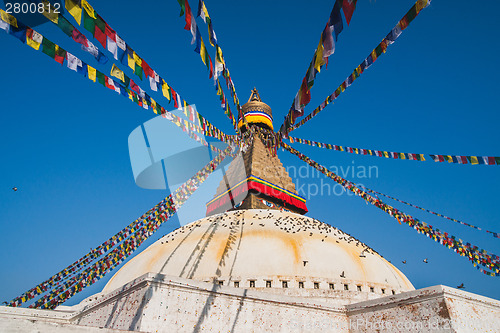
(461,286)
(14,189)
(342,275)
(426,261)
(404,261)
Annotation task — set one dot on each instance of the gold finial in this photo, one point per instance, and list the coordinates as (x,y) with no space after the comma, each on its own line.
(254,96)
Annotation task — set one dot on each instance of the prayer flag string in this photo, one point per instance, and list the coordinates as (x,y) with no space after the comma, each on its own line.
(128,240)
(122,52)
(457,159)
(478,257)
(36,40)
(326,47)
(220,64)
(377,52)
(494,234)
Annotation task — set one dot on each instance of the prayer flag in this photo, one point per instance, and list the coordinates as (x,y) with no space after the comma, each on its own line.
(147,70)
(5,26)
(112,48)
(74,9)
(60,54)
(92,72)
(99,31)
(336,19)
(65,26)
(30,38)
(166,90)
(82,68)
(49,48)
(101,78)
(49,12)
(393,35)
(79,37)
(348,6)
(118,73)
(19,31)
(6,17)
(318,56)
(134,86)
(72,61)
(138,65)
(88,9)
(88,22)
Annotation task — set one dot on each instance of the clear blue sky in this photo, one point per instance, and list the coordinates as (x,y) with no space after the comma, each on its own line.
(64,138)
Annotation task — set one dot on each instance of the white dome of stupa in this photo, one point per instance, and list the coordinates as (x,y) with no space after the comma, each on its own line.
(273,251)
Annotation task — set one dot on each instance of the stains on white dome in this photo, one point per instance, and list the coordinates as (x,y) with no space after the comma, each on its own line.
(279,252)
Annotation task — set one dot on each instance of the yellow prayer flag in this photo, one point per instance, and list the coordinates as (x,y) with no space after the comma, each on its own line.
(153,105)
(74,9)
(6,17)
(220,57)
(473,160)
(421,4)
(131,62)
(449,158)
(92,73)
(166,90)
(88,8)
(422,158)
(402,156)
(374,55)
(50,12)
(118,73)
(386,154)
(203,52)
(31,42)
(137,59)
(219,88)
(319,57)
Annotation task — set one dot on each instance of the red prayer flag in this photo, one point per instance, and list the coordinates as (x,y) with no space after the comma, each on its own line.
(189,16)
(110,32)
(348,6)
(60,55)
(79,38)
(134,86)
(174,97)
(491,160)
(100,36)
(147,70)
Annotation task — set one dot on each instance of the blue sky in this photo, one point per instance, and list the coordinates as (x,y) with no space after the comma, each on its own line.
(64,138)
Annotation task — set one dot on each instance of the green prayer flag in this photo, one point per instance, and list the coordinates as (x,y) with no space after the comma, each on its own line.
(138,71)
(99,22)
(497,160)
(101,77)
(412,13)
(378,50)
(88,22)
(127,81)
(49,48)
(65,26)
(181,3)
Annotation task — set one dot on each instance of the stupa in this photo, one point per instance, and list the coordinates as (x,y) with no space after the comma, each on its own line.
(256,263)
